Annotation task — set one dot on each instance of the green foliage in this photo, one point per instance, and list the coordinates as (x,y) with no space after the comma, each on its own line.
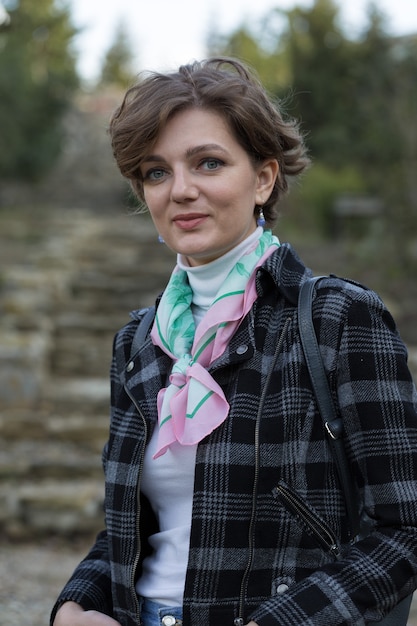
(244,44)
(37,79)
(118,62)
(312,203)
(321,63)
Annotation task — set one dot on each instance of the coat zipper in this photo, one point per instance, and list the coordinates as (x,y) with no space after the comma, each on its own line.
(320,531)
(239,621)
(136,560)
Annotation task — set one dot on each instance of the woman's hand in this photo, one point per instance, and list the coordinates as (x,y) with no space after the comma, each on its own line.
(72,614)
(251,624)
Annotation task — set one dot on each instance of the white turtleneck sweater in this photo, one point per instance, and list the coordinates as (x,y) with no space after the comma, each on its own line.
(168,481)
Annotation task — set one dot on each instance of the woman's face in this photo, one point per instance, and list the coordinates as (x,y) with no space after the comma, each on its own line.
(201,187)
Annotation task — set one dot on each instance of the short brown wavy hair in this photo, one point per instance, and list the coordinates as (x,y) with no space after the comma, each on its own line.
(219,84)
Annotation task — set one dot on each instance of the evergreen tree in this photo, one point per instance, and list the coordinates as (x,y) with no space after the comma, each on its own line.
(320,59)
(248,44)
(118,62)
(37,80)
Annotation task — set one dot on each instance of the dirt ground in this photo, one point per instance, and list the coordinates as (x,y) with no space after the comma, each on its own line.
(31,577)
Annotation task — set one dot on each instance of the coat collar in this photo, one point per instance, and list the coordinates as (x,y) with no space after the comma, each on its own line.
(285,271)
(284,268)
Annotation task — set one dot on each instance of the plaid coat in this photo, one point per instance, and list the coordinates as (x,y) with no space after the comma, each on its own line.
(268,537)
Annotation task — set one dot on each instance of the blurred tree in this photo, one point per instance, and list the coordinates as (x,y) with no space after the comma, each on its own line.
(404,107)
(320,59)
(37,79)
(261,49)
(397,179)
(118,62)
(385,129)
(373,124)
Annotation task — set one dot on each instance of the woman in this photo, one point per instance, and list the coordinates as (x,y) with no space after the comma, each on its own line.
(214,417)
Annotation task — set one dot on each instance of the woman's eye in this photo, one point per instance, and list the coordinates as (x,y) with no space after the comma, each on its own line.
(212,164)
(154,174)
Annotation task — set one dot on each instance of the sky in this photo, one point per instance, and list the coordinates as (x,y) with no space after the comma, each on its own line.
(165,33)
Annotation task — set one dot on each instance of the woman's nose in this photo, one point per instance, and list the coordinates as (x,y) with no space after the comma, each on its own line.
(183,187)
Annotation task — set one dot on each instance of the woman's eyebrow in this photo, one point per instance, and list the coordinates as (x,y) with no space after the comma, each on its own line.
(206,147)
(153,158)
(190,152)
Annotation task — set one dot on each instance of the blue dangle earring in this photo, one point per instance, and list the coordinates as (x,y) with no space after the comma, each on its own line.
(161,239)
(261,219)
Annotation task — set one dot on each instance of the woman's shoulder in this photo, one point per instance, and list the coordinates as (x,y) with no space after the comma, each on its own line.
(351,304)
(126,333)
(332,290)
(125,336)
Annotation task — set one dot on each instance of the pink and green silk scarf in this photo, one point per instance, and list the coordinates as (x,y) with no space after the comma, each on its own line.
(193,404)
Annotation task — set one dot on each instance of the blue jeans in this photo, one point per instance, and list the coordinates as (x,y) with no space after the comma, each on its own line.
(155,614)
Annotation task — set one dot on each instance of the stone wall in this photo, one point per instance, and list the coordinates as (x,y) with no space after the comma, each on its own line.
(68,282)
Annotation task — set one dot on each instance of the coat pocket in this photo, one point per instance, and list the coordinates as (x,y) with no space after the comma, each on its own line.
(308,518)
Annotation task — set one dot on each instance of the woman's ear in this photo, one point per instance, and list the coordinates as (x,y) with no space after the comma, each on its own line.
(267,175)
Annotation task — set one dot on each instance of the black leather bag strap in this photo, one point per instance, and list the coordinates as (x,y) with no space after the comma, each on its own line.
(332,421)
(139,337)
(142,329)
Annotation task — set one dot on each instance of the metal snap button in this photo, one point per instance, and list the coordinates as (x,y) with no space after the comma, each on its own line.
(242,349)
(282,588)
(130,366)
(169,620)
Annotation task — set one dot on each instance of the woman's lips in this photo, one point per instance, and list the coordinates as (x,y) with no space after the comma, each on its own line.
(189,222)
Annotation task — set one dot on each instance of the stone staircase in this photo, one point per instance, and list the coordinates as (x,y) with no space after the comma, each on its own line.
(64,295)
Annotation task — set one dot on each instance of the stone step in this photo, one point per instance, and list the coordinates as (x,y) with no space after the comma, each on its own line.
(124,259)
(77,396)
(98,293)
(51,478)
(48,507)
(24,460)
(80,352)
(39,425)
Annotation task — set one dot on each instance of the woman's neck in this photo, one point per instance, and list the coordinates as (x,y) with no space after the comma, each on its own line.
(205,280)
